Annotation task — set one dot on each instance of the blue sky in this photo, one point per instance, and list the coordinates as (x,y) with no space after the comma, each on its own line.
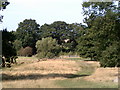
(43,11)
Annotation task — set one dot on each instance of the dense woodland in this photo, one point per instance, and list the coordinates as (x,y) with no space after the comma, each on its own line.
(98,38)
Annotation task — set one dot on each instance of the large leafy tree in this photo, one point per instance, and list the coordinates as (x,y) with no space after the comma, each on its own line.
(27,33)
(8,50)
(86,45)
(102,21)
(3,4)
(61,31)
(56,30)
(108,40)
(7,44)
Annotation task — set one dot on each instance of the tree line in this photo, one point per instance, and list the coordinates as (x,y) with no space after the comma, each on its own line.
(99,39)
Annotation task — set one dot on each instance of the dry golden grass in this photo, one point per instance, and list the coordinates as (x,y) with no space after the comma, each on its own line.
(39,73)
(46,67)
(39,83)
(103,74)
(42,74)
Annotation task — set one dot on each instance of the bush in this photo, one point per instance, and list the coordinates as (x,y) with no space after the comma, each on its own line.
(20,52)
(27,51)
(47,48)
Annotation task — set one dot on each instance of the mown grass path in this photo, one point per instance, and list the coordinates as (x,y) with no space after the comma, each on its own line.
(79,82)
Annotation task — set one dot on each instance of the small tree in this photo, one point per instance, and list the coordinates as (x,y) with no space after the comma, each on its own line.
(47,48)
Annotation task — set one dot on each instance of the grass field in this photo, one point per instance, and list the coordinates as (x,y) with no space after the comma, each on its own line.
(58,73)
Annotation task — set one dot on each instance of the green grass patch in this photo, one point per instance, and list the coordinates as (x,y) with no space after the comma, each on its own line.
(81,83)
(33,58)
(86,69)
(83,59)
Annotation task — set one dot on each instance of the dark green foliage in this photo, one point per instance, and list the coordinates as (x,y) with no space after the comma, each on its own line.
(27,33)
(86,47)
(61,31)
(17,44)
(101,39)
(92,10)
(110,56)
(7,38)
(47,48)
(8,50)
(7,44)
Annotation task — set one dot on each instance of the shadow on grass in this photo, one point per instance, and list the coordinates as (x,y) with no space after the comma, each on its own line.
(88,60)
(6,77)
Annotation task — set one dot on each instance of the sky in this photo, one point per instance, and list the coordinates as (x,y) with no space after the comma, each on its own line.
(43,11)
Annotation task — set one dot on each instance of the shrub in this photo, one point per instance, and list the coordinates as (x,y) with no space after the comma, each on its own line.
(20,52)
(47,48)
(27,51)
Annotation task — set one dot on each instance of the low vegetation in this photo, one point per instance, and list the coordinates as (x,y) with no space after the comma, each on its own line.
(57,73)
(27,51)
